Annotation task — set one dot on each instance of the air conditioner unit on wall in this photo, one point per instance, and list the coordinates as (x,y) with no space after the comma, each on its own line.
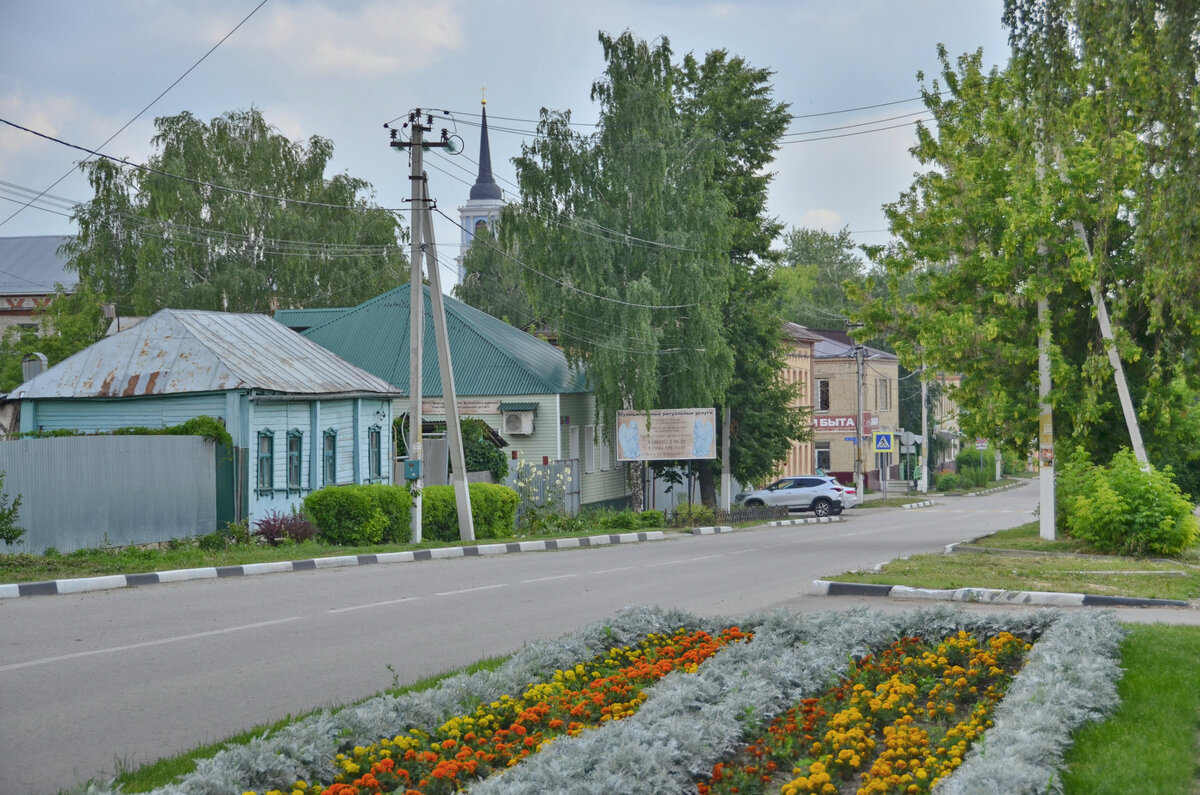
(518,423)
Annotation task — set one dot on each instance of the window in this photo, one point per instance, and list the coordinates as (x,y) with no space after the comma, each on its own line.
(589,448)
(822,395)
(823,457)
(883,394)
(605,454)
(295,446)
(266,460)
(329,458)
(374,453)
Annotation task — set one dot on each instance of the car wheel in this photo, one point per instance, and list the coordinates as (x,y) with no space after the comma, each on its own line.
(822,507)
(754,503)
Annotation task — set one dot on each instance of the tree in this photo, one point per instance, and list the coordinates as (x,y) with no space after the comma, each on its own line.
(814,267)
(495,284)
(1048,178)
(69,324)
(625,239)
(231,215)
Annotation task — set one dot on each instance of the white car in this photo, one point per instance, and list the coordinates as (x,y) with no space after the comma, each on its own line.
(824,496)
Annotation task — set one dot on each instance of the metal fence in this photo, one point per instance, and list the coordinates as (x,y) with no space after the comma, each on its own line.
(539,482)
(95,491)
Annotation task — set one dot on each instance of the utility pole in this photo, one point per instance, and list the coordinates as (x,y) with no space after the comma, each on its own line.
(923,485)
(859,474)
(425,248)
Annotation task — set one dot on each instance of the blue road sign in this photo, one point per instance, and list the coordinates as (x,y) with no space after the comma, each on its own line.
(883,442)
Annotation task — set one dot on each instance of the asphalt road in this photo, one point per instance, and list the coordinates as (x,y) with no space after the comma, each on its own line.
(96,680)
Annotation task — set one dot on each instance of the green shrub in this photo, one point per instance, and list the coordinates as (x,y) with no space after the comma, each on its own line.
(1123,509)
(651,519)
(493,511)
(947,481)
(346,515)
(694,514)
(619,520)
(396,504)
(480,454)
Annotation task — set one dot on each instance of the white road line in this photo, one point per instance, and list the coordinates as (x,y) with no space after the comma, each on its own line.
(555,577)
(158,642)
(708,557)
(664,563)
(471,590)
(374,604)
(609,571)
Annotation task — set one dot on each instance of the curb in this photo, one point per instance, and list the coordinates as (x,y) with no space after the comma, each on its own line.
(706,531)
(811,520)
(85,584)
(988,595)
(923,504)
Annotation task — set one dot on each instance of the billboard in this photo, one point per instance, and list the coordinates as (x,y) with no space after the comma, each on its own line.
(666,434)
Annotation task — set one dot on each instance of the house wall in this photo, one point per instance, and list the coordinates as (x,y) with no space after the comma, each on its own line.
(835,426)
(551,439)
(95,415)
(798,373)
(352,419)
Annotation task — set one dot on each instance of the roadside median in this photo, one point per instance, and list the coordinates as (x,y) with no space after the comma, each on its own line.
(1015,567)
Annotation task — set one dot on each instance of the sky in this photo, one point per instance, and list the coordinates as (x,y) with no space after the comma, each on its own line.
(80,71)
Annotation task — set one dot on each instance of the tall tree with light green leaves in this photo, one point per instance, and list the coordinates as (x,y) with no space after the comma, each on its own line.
(812,272)
(232,215)
(1049,178)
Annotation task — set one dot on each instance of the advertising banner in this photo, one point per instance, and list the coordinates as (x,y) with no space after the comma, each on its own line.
(667,434)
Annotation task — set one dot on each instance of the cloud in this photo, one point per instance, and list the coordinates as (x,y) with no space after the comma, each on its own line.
(823,219)
(315,38)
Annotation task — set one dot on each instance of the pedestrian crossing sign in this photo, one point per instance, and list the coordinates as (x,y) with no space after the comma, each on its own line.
(883,442)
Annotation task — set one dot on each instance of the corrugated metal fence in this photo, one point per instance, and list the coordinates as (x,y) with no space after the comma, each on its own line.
(93,491)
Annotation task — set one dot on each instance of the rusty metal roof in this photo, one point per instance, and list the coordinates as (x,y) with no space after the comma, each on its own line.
(176,351)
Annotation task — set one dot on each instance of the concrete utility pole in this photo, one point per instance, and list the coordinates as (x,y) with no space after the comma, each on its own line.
(859,475)
(424,247)
(923,485)
(1046,506)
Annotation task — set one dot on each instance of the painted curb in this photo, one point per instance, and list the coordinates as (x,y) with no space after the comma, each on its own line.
(108,582)
(922,504)
(810,520)
(706,531)
(988,595)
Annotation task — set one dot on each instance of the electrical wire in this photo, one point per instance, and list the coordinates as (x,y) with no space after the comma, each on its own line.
(143,110)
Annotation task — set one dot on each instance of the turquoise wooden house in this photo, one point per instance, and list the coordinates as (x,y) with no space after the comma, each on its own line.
(300,417)
(522,386)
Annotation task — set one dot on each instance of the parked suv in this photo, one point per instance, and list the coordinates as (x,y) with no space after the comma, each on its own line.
(821,495)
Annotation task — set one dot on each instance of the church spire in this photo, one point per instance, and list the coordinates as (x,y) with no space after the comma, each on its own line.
(485,186)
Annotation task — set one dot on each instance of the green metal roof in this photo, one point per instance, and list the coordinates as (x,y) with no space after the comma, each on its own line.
(303,319)
(490,357)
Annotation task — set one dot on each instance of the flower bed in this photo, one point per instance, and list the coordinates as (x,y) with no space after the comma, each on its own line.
(688,722)
(897,722)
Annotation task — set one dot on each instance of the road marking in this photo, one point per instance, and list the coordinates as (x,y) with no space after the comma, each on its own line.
(555,577)
(472,590)
(374,604)
(708,557)
(664,563)
(144,644)
(609,571)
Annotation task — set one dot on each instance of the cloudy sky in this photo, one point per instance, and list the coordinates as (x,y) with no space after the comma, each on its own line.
(81,70)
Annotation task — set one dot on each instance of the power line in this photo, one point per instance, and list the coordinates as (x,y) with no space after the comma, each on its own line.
(140,112)
(559,282)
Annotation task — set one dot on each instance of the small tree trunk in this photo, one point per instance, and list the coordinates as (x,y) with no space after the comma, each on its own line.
(708,483)
(637,493)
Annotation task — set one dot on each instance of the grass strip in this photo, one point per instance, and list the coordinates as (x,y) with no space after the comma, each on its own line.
(1150,743)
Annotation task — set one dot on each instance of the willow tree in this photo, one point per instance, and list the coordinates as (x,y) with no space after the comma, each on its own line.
(624,238)
(232,215)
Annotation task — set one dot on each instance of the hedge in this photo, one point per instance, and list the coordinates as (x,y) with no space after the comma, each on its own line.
(493,509)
